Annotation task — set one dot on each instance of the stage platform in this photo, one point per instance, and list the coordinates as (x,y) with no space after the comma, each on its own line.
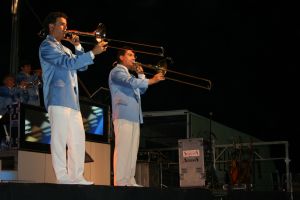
(44,191)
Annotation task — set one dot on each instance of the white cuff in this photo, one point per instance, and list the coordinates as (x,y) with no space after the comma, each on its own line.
(78,47)
(142,76)
(92,54)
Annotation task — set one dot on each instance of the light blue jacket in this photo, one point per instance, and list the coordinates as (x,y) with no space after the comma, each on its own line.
(59,66)
(125,92)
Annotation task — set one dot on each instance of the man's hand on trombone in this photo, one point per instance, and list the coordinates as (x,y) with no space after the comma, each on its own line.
(73,39)
(100,47)
(156,78)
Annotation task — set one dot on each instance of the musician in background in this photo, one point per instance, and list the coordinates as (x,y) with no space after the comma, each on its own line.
(9,95)
(125,89)
(30,83)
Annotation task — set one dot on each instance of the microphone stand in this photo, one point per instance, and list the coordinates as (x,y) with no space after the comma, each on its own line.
(84,88)
(87,91)
(212,149)
(212,141)
(100,88)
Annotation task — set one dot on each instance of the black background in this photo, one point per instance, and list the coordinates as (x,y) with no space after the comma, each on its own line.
(248,49)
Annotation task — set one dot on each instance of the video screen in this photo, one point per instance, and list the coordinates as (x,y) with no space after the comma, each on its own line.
(93,119)
(37,124)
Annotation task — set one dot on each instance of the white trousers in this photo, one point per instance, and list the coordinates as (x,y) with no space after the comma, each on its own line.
(127,138)
(67,131)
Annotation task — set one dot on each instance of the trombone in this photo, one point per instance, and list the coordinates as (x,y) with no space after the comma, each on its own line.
(162,67)
(100,34)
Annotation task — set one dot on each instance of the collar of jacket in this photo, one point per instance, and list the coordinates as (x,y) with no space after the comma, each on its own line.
(51,38)
(122,66)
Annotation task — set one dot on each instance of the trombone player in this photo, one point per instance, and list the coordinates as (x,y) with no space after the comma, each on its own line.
(30,83)
(125,90)
(60,87)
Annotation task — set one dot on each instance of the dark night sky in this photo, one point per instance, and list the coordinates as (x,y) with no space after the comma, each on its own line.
(248,49)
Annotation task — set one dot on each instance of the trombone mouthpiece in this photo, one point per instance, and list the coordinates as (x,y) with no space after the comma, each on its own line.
(137,63)
(68,35)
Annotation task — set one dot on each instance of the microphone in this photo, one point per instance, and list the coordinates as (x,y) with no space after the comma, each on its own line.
(42,33)
(170,59)
(114,63)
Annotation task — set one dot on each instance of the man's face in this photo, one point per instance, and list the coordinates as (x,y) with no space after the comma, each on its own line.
(58,29)
(128,60)
(26,68)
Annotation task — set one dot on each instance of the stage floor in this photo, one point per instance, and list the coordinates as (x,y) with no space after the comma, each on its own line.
(44,191)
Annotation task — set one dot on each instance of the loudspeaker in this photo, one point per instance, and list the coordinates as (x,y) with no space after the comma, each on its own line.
(191,162)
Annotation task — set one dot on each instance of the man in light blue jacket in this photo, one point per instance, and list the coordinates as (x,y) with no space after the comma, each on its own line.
(30,83)
(125,91)
(61,98)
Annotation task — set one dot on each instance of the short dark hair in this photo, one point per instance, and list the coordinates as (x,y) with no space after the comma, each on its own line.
(25,62)
(51,19)
(122,52)
(8,76)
